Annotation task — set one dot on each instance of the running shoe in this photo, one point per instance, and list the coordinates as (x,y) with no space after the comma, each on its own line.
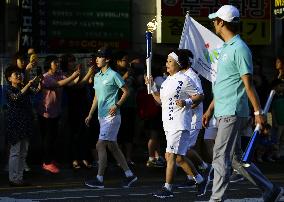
(163,193)
(128,181)
(202,187)
(95,183)
(187,184)
(51,168)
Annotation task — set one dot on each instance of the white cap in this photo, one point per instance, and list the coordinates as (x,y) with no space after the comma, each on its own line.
(227,13)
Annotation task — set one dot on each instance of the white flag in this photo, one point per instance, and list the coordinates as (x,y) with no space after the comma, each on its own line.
(204,45)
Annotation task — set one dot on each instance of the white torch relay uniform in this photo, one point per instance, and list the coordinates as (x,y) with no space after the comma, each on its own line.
(175,118)
(196,121)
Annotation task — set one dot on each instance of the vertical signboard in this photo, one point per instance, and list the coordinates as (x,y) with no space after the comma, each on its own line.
(40,26)
(26,25)
(255,18)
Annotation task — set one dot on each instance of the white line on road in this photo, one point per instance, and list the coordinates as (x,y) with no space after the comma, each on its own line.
(246,200)
(109,195)
(76,190)
(8,199)
(139,194)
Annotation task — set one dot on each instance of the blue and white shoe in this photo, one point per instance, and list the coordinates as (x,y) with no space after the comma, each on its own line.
(128,181)
(95,183)
(202,187)
(163,193)
(187,184)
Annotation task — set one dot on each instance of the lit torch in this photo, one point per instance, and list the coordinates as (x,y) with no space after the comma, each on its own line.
(151,26)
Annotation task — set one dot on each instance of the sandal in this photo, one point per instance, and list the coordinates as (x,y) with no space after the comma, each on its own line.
(86,164)
(76,165)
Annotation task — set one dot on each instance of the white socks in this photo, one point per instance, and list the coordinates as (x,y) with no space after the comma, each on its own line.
(190,177)
(168,186)
(128,173)
(204,165)
(100,178)
(198,178)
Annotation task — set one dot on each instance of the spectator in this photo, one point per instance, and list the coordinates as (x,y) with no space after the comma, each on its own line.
(128,109)
(278,106)
(266,146)
(19,123)
(77,96)
(49,108)
(150,113)
(260,83)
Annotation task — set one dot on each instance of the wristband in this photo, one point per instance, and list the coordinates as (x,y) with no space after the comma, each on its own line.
(188,102)
(117,105)
(154,88)
(258,113)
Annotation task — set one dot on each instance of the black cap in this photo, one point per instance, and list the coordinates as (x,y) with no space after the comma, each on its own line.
(104,52)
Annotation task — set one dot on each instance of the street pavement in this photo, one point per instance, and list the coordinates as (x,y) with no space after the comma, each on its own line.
(68,185)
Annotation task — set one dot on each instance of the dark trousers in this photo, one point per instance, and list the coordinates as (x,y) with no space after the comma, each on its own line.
(80,149)
(49,132)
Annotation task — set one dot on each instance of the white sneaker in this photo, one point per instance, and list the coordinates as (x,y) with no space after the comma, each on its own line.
(26,167)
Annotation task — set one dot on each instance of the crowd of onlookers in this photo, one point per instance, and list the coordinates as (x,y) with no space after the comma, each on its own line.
(60,103)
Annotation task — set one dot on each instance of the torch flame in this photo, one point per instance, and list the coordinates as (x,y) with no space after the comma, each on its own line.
(152,25)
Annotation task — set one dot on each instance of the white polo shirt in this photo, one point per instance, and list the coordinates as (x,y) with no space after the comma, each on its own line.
(176,87)
(196,121)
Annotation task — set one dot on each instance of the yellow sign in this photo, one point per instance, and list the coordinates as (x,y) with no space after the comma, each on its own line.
(279,3)
(254,32)
(279,8)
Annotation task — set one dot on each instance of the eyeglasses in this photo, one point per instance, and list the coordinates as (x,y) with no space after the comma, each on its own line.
(18,73)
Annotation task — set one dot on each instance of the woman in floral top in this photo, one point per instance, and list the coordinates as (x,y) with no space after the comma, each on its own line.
(18,123)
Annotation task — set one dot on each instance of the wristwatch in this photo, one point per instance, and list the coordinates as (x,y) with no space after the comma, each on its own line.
(258,113)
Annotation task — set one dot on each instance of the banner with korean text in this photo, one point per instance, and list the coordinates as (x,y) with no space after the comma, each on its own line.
(255,27)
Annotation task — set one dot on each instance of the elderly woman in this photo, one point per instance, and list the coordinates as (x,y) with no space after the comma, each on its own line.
(176,96)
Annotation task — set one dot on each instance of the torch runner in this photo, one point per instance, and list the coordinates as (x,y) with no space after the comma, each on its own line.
(151,26)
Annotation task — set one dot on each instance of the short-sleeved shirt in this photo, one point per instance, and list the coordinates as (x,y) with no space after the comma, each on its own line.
(107,86)
(196,122)
(230,97)
(51,96)
(176,87)
(18,117)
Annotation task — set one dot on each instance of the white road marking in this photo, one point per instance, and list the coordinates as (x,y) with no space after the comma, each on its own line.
(74,190)
(139,194)
(8,199)
(246,200)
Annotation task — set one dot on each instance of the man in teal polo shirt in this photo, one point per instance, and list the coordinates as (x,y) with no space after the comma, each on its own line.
(232,89)
(107,84)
